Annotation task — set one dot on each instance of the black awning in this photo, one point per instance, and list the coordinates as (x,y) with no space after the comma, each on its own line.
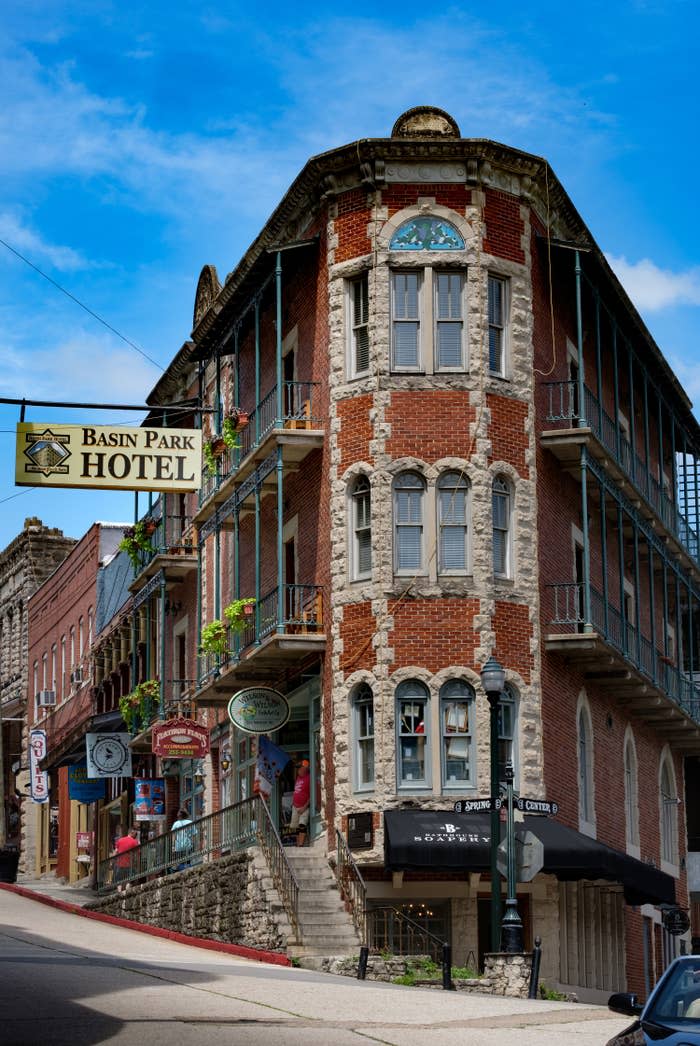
(429,840)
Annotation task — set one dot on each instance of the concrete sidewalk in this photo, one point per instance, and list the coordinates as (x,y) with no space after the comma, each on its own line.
(59,889)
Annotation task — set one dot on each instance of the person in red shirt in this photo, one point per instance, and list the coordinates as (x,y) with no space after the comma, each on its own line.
(299,821)
(121,852)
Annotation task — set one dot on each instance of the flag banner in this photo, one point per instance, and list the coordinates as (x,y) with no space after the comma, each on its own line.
(269,765)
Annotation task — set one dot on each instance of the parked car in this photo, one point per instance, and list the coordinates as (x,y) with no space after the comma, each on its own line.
(672,1012)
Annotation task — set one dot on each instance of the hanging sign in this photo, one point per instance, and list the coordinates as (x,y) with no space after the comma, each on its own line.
(180,739)
(676,921)
(108,755)
(149,799)
(82,788)
(258,710)
(107,457)
(38,778)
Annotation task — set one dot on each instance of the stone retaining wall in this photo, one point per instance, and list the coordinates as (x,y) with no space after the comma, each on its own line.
(504,974)
(222,900)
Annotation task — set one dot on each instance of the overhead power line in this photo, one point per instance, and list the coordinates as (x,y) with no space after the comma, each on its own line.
(82,305)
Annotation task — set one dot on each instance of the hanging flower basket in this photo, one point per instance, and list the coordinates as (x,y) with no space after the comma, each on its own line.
(214,638)
(239,613)
(240,418)
(137,540)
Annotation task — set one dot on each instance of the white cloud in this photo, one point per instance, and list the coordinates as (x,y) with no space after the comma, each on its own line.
(25,240)
(652,288)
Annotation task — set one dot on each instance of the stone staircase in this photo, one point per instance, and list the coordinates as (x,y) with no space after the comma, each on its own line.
(325,927)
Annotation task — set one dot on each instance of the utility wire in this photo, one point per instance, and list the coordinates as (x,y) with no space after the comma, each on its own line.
(82,305)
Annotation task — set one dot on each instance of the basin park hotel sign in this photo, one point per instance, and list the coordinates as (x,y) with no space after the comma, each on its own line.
(461,441)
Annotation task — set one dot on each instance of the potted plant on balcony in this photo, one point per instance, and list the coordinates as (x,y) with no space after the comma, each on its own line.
(239,418)
(135,708)
(137,540)
(214,638)
(239,614)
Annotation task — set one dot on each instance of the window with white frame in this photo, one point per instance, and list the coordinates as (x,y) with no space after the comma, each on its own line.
(501,510)
(409,528)
(81,638)
(425,301)
(497,318)
(358,326)
(64,689)
(53,666)
(456,724)
(89,635)
(361,516)
(631,793)
(585,769)
(363,732)
(507,733)
(669,813)
(453,523)
(412,735)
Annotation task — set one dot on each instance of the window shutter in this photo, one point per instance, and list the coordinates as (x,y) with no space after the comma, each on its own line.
(452,548)
(409,548)
(364,552)
(449,345)
(405,344)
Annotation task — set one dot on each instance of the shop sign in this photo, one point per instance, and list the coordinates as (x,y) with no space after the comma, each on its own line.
(83,840)
(180,739)
(107,457)
(149,799)
(82,788)
(477,806)
(536,806)
(108,755)
(676,921)
(258,710)
(38,778)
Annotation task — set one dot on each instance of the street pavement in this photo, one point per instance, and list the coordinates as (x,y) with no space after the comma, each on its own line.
(68,980)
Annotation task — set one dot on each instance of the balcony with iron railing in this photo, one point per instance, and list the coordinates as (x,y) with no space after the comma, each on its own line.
(298,431)
(280,633)
(171,546)
(178,702)
(617,656)
(611,448)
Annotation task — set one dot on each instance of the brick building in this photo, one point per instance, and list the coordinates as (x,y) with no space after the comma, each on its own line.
(30,558)
(437,430)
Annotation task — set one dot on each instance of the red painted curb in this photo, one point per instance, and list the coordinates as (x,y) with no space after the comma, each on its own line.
(258,954)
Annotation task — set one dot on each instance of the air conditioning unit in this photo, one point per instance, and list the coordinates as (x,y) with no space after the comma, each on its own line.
(46,698)
(76,676)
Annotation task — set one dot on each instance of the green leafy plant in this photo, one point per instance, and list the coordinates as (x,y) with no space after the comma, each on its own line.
(228,432)
(551,994)
(136,706)
(214,638)
(137,539)
(237,616)
(213,447)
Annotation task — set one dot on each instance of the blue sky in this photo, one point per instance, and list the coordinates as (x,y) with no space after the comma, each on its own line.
(139,142)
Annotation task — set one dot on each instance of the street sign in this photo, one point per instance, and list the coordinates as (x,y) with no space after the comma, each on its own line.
(676,921)
(477,806)
(536,806)
(529,857)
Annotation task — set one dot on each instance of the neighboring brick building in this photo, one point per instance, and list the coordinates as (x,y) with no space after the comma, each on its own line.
(24,564)
(459,441)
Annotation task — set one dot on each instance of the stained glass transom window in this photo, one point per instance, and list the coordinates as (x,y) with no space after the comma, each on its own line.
(426,234)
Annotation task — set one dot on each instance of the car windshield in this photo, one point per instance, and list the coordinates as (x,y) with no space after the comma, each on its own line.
(678,998)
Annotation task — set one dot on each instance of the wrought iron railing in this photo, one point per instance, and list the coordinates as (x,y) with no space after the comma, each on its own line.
(351,885)
(562,405)
(391,930)
(567,601)
(234,828)
(301,613)
(298,411)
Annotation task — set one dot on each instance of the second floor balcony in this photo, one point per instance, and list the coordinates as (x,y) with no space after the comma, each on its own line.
(617,657)
(170,545)
(608,444)
(282,633)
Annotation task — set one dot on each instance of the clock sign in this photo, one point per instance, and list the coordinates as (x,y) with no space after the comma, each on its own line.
(108,755)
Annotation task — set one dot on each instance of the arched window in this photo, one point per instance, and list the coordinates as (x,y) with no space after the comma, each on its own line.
(453,523)
(457,726)
(426,233)
(585,769)
(362,701)
(631,794)
(361,550)
(409,497)
(412,735)
(501,509)
(668,800)
(508,733)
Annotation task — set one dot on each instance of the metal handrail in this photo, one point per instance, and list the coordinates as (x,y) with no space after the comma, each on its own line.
(440,952)
(351,885)
(234,828)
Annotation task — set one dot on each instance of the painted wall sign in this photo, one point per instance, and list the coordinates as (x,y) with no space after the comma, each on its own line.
(180,739)
(107,457)
(108,755)
(83,840)
(38,779)
(258,710)
(149,799)
(83,788)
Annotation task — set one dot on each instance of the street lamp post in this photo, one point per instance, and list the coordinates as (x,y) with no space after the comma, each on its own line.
(512,927)
(493,680)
